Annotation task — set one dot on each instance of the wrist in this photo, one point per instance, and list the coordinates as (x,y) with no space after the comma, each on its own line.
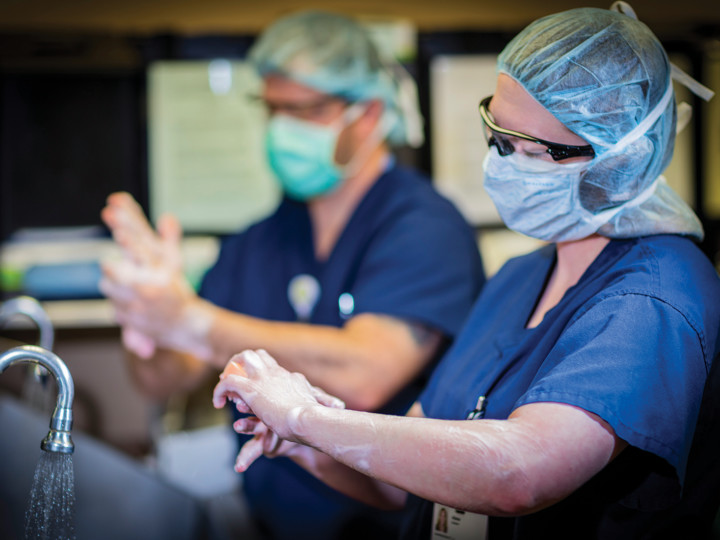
(304,420)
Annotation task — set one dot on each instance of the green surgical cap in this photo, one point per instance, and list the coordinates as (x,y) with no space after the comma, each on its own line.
(601,73)
(334,55)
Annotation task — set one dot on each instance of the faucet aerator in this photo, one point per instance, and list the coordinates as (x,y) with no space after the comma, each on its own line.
(58,439)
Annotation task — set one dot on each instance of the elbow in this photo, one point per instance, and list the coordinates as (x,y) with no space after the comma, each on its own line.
(366,395)
(371,386)
(516,494)
(365,399)
(516,503)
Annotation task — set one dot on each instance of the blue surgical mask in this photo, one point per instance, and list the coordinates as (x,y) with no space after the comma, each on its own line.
(302,154)
(537,197)
(541,198)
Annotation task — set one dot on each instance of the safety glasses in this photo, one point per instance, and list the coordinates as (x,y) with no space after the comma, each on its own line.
(304,110)
(502,139)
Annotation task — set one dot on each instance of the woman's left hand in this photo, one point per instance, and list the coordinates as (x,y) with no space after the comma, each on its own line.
(264,442)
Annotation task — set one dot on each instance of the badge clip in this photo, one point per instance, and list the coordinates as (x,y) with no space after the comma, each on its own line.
(478,413)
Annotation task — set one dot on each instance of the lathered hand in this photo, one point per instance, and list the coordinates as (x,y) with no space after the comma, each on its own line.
(257,385)
(154,303)
(264,442)
(136,236)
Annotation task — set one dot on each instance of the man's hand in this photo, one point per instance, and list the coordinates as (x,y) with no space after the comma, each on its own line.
(154,303)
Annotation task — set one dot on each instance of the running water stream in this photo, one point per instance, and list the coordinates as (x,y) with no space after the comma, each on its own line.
(50,512)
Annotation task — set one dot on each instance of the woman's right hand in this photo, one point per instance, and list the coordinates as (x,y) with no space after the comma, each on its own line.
(257,385)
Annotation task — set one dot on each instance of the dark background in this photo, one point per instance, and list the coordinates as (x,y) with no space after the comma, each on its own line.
(72,91)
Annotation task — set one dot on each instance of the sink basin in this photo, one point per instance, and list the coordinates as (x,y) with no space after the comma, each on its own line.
(116,496)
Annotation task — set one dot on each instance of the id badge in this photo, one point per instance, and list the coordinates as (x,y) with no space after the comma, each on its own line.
(451,524)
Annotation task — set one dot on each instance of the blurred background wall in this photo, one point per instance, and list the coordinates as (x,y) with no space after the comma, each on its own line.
(78,80)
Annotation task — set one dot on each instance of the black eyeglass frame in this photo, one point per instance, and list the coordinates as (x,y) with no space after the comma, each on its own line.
(296,108)
(557,151)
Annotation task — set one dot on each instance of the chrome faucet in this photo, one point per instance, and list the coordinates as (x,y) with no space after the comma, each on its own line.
(31,308)
(58,438)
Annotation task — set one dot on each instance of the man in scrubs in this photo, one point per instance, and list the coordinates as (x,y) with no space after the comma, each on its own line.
(359,280)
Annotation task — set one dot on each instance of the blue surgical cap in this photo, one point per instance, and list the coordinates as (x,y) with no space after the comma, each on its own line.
(334,55)
(602,73)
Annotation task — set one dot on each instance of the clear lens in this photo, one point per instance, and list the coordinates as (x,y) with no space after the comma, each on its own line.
(508,141)
(504,146)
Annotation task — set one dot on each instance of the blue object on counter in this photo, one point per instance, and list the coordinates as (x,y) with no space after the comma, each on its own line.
(63,281)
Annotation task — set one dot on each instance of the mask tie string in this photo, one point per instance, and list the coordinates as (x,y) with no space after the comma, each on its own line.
(676,74)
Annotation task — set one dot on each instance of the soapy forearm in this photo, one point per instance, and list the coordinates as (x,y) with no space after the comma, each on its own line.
(489,466)
(347,480)
(365,363)
(542,453)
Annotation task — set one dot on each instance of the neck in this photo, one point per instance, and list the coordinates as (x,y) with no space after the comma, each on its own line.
(330,213)
(573,258)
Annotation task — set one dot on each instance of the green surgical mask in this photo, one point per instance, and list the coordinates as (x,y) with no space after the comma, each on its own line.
(302,153)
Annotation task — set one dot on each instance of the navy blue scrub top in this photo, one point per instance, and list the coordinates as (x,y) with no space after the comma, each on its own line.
(632,342)
(406,252)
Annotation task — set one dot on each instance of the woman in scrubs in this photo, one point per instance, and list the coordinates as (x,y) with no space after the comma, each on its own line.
(568,406)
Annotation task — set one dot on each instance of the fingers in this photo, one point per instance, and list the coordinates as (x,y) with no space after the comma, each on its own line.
(114,202)
(123,212)
(271,443)
(129,296)
(249,452)
(326,399)
(169,228)
(111,289)
(246,363)
(133,232)
(124,272)
(138,343)
(231,387)
(269,360)
(233,368)
(264,442)
(251,361)
(249,425)
(170,232)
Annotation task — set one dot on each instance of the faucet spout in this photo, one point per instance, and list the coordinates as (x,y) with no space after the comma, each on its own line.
(58,439)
